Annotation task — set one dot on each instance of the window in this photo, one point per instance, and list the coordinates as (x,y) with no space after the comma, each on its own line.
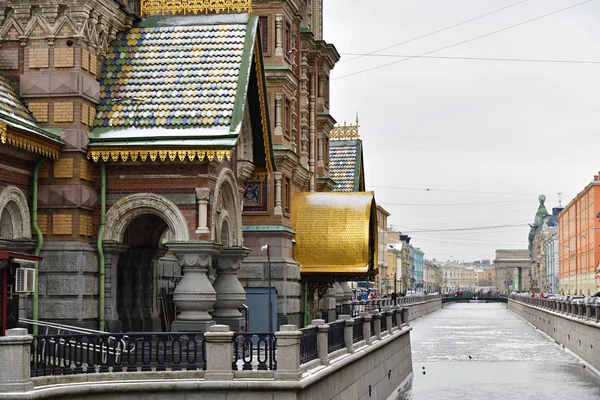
(288,118)
(263,23)
(326,91)
(287,194)
(287,41)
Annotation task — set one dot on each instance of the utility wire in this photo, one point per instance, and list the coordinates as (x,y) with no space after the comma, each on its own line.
(477,228)
(531,60)
(450,190)
(454,204)
(465,41)
(433,33)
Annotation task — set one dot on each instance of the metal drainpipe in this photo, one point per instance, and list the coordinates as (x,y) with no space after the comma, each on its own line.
(99,244)
(40,240)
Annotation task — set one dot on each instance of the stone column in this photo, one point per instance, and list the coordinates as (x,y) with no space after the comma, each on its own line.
(377,325)
(230,292)
(398,311)
(194,296)
(278,35)
(288,353)
(112,252)
(219,353)
(322,340)
(388,315)
(339,296)
(405,316)
(367,326)
(278,209)
(347,299)
(348,332)
(14,361)
(203,194)
(278,121)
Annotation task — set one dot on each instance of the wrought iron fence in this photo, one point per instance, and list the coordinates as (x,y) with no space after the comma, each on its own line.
(308,344)
(254,351)
(335,336)
(131,352)
(357,330)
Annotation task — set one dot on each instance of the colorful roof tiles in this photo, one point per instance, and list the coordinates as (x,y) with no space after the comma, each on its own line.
(172,77)
(345,165)
(11,105)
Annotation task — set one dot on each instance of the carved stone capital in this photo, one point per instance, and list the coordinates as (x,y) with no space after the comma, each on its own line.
(202,193)
(230,259)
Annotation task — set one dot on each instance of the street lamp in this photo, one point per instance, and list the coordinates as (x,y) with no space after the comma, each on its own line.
(267,248)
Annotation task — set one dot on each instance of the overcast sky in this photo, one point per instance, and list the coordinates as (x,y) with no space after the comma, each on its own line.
(466,128)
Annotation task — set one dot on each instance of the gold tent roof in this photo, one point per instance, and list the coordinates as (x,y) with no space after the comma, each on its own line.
(336,233)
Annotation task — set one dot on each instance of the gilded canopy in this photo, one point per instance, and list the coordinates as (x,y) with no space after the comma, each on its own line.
(336,233)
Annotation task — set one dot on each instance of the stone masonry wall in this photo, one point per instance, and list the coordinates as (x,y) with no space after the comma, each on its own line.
(581,337)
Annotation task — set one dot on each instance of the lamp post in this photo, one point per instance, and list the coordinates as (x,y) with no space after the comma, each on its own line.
(267,248)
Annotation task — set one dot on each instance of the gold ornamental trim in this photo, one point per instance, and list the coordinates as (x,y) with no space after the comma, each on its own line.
(162,7)
(125,154)
(345,132)
(28,143)
(263,106)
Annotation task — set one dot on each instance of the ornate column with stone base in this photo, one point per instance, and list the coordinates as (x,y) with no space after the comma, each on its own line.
(230,292)
(112,252)
(194,296)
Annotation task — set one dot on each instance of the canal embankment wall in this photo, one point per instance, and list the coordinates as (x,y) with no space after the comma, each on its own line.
(577,331)
(422,308)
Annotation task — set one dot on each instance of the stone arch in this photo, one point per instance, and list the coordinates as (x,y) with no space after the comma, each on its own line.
(227,209)
(129,207)
(13,201)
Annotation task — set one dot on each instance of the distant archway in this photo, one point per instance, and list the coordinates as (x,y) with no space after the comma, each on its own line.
(128,208)
(226,225)
(15,221)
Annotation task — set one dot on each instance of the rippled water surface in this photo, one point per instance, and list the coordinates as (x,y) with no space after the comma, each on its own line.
(483,351)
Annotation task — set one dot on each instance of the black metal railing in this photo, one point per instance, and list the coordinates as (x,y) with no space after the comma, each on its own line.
(308,344)
(254,351)
(335,336)
(131,352)
(372,325)
(357,330)
(383,325)
(394,320)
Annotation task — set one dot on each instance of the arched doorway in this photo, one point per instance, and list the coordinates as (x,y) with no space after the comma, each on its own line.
(137,226)
(15,222)
(139,276)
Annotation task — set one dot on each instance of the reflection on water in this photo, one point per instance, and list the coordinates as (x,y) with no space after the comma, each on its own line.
(483,351)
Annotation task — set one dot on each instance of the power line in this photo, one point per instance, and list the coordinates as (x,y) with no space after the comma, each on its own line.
(477,228)
(454,204)
(465,41)
(532,60)
(434,32)
(450,190)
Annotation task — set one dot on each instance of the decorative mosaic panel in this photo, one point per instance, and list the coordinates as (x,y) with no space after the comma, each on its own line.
(255,195)
(171,76)
(10,104)
(342,166)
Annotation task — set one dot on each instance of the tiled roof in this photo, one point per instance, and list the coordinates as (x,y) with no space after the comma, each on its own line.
(344,165)
(11,105)
(178,76)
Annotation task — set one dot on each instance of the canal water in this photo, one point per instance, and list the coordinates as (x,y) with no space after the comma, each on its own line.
(483,351)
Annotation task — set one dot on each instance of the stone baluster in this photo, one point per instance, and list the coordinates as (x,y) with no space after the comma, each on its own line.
(348,332)
(322,340)
(288,353)
(367,326)
(14,361)
(230,292)
(405,315)
(377,325)
(388,315)
(219,353)
(194,295)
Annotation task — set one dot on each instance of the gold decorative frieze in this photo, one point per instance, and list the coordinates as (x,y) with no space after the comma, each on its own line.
(125,154)
(162,7)
(28,143)
(345,132)
(263,106)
